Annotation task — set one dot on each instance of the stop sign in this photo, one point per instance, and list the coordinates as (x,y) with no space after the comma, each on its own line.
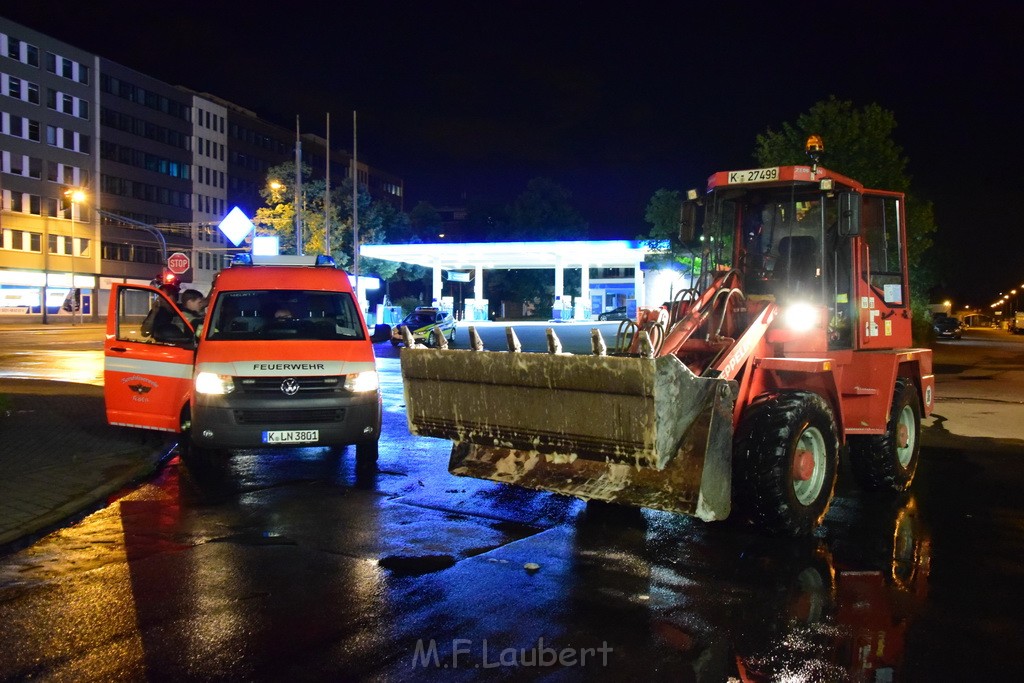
(178,263)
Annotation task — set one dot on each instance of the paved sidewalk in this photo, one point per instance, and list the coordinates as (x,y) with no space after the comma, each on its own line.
(59,457)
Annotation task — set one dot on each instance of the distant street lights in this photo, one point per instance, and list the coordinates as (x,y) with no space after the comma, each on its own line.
(75,196)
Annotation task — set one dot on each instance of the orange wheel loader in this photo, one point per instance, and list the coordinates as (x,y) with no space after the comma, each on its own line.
(736,398)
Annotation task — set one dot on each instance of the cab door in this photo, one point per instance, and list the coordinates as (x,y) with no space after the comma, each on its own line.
(882,296)
(148,355)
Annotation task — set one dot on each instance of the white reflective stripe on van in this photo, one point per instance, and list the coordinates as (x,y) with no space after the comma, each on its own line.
(156,368)
(279,368)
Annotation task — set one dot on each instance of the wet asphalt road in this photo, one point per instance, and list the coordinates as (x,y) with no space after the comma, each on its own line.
(287,564)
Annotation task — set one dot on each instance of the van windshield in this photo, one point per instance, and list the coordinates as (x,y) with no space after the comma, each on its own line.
(284,314)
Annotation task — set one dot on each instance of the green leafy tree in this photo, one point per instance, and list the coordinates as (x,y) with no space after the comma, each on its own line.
(379,221)
(543,211)
(278,217)
(859,144)
(425,219)
(663,213)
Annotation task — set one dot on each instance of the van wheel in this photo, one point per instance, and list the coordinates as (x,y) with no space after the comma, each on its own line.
(888,462)
(196,456)
(786,457)
(366,455)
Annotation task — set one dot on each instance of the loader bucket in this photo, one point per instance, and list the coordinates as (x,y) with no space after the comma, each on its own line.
(638,431)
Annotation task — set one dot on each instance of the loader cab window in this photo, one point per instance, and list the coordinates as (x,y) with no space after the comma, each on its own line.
(782,243)
(881,260)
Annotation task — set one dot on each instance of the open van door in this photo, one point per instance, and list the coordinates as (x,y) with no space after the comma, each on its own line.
(148,356)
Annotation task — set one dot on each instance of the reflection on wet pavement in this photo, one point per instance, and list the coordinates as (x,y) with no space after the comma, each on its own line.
(83,367)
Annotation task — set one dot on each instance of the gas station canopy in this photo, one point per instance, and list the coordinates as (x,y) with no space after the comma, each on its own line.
(482,256)
(493,255)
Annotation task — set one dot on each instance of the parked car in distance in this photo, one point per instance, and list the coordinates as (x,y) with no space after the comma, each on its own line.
(421,322)
(948,328)
(614,314)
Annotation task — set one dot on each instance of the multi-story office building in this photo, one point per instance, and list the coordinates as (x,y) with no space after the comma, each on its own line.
(210,251)
(48,134)
(105,172)
(144,205)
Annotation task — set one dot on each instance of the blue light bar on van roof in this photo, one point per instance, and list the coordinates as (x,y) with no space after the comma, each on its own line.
(249,259)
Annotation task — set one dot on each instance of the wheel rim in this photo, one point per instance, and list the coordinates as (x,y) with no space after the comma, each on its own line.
(812,442)
(906,436)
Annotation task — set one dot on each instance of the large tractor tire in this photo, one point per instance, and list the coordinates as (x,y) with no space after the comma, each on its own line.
(887,462)
(785,462)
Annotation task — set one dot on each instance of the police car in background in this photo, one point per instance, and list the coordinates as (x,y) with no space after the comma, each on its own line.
(422,322)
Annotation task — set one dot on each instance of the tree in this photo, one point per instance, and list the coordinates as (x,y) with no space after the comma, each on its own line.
(379,221)
(859,143)
(278,217)
(425,219)
(542,212)
(663,213)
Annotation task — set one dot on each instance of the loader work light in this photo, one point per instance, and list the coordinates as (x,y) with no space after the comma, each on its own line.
(801,317)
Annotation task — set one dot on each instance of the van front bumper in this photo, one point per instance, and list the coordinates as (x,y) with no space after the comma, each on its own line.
(239,421)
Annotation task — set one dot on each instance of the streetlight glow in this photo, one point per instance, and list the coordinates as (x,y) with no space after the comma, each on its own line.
(75,195)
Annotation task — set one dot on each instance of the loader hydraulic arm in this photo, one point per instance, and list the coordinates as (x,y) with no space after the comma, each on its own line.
(714,312)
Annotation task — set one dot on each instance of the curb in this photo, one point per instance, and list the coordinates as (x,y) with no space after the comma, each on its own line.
(89,501)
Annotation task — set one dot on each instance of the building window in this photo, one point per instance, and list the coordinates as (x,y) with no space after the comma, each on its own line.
(22,240)
(23,52)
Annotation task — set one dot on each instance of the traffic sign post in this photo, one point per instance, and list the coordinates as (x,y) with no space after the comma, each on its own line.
(178,263)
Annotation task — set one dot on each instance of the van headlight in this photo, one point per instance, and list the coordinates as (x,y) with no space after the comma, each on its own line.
(801,317)
(212,383)
(362,381)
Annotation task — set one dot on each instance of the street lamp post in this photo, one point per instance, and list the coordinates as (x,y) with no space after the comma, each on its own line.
(76,196)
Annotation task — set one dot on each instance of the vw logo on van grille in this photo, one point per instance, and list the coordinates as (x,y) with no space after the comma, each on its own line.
(290,386)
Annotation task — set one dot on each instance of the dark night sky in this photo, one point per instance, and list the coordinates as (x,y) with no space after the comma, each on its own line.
(476,98)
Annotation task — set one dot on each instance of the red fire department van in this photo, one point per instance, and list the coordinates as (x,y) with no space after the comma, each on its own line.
(282,358)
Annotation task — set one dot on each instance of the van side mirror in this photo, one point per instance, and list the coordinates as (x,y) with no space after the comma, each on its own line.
(849,213)
(687,221)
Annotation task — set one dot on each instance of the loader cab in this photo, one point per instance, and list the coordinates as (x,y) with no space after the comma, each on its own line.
(776,240)
(829,244)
